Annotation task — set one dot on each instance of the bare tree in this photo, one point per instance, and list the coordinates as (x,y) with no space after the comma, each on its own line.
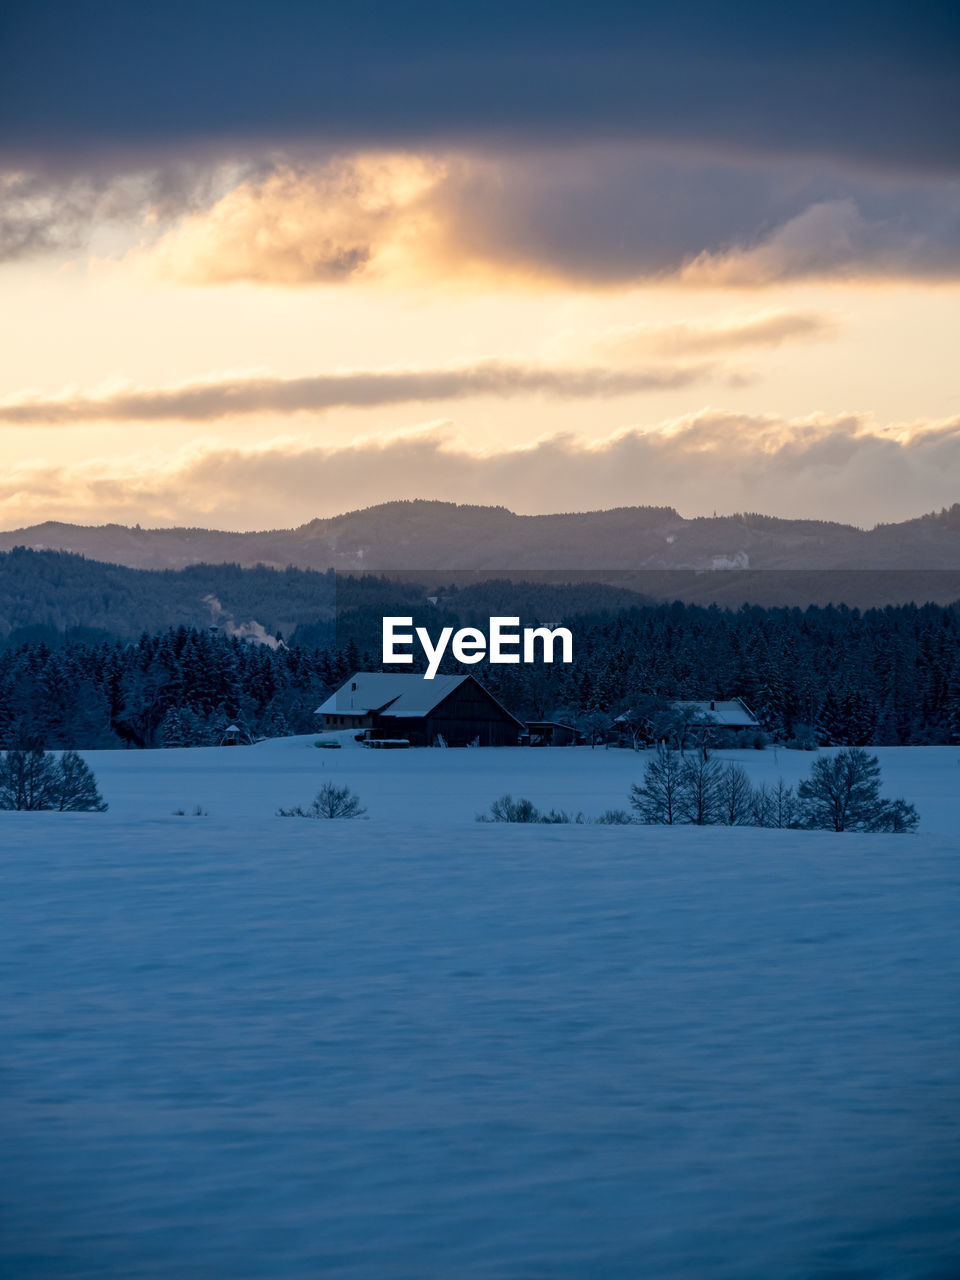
(700,789)
(330,801)
(34,780)
(75,787)
(843,793)
(773,806)
(896,816)
(657,798)
(734,797)
(27,779)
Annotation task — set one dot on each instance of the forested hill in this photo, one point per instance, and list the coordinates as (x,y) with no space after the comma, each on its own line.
(54,596)
(51,597)
(443,535)
(48,595)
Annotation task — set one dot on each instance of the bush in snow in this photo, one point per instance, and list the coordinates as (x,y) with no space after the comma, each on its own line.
(560,815)
(506,809)
(330,801)
(32,779)
(843,794)
(615,818)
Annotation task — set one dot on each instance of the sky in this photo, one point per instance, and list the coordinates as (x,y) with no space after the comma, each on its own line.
(266,262)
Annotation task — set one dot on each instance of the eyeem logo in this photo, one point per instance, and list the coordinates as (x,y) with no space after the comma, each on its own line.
(471,645)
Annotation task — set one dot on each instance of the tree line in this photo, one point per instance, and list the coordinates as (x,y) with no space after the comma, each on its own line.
(816,676)
(842,793)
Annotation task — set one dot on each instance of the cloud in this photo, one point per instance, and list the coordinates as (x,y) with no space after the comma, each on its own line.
(828,238)
(609,216)
(863,82)
(231,397)
(602,216)
(49,212)
(834,467)
(835,239)
(763,330)
(350,216)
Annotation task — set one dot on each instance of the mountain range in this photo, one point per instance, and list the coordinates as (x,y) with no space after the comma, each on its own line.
(441,535)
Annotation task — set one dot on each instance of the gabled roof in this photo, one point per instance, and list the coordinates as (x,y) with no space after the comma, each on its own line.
(389,695)
(734,714)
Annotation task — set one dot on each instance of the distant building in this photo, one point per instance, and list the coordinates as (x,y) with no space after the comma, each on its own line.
(732,714)
(454,711)
(234,736)
(552,733)
(720,721)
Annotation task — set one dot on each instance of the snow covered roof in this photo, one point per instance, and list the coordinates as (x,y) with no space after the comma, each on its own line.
(732,715)
(389,695)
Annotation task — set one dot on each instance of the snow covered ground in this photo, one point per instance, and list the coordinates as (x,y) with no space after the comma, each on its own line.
(420,1047)
(432,786)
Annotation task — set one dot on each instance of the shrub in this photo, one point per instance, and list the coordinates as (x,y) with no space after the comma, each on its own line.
(804,739)
(615,818)
(330,801)
(560,815)
(506,809)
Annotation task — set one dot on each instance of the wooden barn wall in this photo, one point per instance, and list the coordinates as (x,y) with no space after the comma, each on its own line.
(469,712)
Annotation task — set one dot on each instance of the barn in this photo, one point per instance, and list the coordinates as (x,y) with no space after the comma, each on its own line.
(455,711)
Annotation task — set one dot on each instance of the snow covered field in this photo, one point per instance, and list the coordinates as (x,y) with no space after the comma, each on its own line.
(431,786)
(421,1047)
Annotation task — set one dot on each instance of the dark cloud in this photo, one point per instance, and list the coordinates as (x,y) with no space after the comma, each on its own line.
(208,401)
(874,82)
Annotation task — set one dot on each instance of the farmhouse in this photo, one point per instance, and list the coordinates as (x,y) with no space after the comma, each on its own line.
(714,719)
(732,714)
(449,710)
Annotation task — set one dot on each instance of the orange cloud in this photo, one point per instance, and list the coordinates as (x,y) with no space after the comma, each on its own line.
(832,467)
(232,397)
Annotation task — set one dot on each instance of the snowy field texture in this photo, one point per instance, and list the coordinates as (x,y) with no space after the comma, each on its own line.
(416,1047)
(431,786)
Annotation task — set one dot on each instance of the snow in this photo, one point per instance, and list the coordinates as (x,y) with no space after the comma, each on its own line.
(416,1046)
(398,695)
(430,785)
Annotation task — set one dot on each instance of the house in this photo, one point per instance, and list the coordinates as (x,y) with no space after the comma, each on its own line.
(720,721)
(732,714)
(551,733)
(453,711)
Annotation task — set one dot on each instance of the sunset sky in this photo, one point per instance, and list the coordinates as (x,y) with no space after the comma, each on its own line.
(263,262)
